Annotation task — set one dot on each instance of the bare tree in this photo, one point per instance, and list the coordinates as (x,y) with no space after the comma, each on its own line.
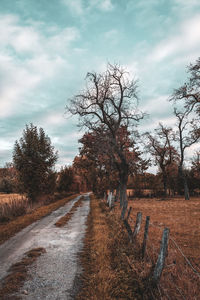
(190,91)
(160,146)
(109,101)
(188,133)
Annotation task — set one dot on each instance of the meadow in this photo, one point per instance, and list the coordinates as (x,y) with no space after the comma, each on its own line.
(181,275)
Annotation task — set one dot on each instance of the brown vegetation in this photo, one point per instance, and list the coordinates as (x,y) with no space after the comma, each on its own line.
(65,219)
(113,267)
(9,229)
(13,205)
(107,274)
(178,280)
(17,275)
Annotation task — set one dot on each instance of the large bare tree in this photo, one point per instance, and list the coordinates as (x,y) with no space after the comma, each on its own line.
(109,100)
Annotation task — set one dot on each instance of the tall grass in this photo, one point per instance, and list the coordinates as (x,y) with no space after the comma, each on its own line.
(13,206)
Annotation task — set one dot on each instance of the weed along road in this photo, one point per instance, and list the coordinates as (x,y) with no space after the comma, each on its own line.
(53,275)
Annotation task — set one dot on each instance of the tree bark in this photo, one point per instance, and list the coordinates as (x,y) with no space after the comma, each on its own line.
(124,201)
(185,184)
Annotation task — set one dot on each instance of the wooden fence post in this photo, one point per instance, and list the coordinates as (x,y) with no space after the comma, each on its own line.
(145,236)
(161,258)
(129,211)
(137,224)
(129,230)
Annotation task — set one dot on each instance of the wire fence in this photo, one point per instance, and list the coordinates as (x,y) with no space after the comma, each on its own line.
(180,277)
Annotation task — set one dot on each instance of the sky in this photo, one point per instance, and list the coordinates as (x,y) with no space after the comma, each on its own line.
(48,46)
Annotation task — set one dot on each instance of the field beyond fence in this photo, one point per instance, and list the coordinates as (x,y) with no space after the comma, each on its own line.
(180,277)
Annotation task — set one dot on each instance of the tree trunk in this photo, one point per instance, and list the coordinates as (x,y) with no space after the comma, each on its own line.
(117,193)
(186,189)
(124,201)
(165,184)
(184,180)
(121,195)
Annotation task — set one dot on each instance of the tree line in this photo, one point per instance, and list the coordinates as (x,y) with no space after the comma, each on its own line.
(32,171)
(110,152)
(112,149)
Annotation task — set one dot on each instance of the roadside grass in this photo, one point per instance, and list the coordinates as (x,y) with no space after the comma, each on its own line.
(106,271)
(10,228)
(12,206)
(18,274)
(113,267)
(65,219)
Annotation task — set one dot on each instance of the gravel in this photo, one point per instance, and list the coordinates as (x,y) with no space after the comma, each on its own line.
(53,275)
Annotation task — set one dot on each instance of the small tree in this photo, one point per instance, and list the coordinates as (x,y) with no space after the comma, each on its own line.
(160,147)
(188,133)
(34,158)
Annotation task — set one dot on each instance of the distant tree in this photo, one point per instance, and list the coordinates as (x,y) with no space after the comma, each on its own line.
(188,133)
(195,171)
(34,158)
(66,179)
(8,183)
(109,101)
(190,91)
(159,145)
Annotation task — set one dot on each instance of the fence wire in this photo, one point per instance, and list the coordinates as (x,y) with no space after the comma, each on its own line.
(178,279)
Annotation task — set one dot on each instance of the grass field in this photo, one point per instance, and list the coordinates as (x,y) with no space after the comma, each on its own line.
(180,216)
(179,280)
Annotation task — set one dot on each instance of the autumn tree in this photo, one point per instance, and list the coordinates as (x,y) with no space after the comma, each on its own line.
(109,100)
(159,145)
(34,158)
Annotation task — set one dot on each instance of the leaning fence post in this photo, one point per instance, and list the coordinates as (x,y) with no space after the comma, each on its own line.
(137,224)
(129,230)
(161,257)
(129,211)
(145,236)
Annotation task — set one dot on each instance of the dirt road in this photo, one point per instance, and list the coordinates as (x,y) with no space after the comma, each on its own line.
(53,275)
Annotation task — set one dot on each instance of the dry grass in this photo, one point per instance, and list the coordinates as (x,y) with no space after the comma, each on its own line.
(113,267)
(14,226)
(65,219)
(178,280)
(13,205)
(6,198)
(107,274)
(18,274)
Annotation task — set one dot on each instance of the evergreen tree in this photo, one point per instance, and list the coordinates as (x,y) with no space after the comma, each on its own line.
(34,158)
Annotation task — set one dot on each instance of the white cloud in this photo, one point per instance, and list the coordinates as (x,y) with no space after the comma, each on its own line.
(75,6)
(185,41)
(28,58)
(106,5)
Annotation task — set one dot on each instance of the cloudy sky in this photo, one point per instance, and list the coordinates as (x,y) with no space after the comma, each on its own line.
(48,46)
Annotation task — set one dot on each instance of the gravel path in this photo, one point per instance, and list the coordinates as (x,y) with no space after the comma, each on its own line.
(53,275)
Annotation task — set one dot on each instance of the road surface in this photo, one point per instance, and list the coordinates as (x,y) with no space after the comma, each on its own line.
(54,274)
